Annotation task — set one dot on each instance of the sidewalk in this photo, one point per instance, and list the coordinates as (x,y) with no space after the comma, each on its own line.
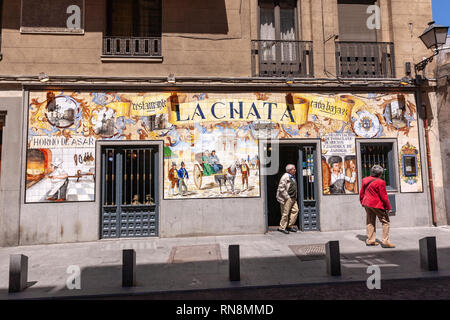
(171,264)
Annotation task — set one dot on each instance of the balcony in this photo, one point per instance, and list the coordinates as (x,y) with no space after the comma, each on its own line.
(365,59)
(131,47)
(282,58)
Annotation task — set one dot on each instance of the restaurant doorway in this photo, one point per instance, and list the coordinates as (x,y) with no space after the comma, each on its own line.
(304,157)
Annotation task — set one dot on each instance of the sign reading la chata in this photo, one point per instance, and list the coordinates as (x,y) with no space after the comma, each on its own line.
(291,112)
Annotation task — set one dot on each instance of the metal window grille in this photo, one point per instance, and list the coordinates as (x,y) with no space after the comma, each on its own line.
(365,59)
(380,154)
(282,58)
(129,192)
(133,28)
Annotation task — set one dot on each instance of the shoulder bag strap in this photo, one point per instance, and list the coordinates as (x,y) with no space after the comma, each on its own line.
(365,188)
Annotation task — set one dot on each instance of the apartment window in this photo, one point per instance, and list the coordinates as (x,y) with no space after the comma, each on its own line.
(133,29)
(380,154)
(134,18)
(359,53)
(277,22)
(352,15)
(52,16)
(278,52)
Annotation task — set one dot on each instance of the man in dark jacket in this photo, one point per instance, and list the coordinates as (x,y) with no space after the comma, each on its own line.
(374,199)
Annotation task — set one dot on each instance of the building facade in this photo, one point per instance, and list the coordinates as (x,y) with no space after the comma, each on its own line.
(177,118)
(443,114)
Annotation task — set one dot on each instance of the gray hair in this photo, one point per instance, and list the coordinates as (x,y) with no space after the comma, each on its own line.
(376,171)
(289,167)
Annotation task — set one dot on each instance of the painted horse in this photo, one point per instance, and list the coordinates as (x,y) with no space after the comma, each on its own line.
(228,176)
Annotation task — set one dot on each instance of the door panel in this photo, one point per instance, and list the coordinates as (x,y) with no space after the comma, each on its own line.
(307,198)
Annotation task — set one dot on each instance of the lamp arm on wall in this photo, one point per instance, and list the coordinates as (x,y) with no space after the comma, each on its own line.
(422,64)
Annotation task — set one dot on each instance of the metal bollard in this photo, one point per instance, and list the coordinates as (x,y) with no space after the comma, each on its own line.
(128,268)
(428,253)
(234,263)
(333,258)
(18,272)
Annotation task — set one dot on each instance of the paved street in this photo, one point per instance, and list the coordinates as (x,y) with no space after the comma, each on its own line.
(411,289)
(199,263)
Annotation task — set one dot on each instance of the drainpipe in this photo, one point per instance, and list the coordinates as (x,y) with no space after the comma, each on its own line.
(427,143)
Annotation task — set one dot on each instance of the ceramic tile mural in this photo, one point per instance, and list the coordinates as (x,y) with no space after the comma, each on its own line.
(213,136)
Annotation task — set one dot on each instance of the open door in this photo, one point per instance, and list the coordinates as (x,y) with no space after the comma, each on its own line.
(305,159)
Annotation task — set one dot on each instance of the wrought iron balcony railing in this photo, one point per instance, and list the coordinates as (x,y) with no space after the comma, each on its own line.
(365,59)
(282,58)
(131,47)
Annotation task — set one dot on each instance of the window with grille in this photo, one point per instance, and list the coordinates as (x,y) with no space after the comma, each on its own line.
(380,154)
(134,18)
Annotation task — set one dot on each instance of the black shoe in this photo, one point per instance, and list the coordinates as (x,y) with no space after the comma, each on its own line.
(283,230)
(293,229)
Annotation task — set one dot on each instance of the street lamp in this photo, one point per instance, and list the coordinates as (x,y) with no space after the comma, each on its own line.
(433,37)
(43,77)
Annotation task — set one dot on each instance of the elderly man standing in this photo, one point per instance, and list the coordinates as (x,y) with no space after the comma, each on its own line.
(374,199)
(287,197)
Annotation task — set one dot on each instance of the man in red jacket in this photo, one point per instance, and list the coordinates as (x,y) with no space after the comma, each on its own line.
(374,199)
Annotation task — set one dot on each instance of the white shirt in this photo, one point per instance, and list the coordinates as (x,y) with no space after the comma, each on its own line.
(335,177)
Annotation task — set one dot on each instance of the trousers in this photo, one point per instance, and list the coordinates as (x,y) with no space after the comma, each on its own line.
(289,213)
(371,216)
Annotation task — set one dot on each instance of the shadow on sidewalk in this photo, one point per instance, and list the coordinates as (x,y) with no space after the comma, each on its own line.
(267,271)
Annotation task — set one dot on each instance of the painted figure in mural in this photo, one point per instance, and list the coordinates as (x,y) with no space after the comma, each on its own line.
(350,168)
(326,176)
(51,103)
(135,200)
(338,179)
(207,165)
(287,197)
(245,170)
(149,200)
(374,199)
(173,178)
(59,181)
(255,164)
(215,162)
(183,176)
(228,176)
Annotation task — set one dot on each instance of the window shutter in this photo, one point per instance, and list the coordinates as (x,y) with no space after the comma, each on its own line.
(353,17)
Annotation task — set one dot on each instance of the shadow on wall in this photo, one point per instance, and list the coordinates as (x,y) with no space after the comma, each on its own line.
(207,17)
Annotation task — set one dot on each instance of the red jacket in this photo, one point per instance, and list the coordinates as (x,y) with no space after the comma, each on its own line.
(375,196)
